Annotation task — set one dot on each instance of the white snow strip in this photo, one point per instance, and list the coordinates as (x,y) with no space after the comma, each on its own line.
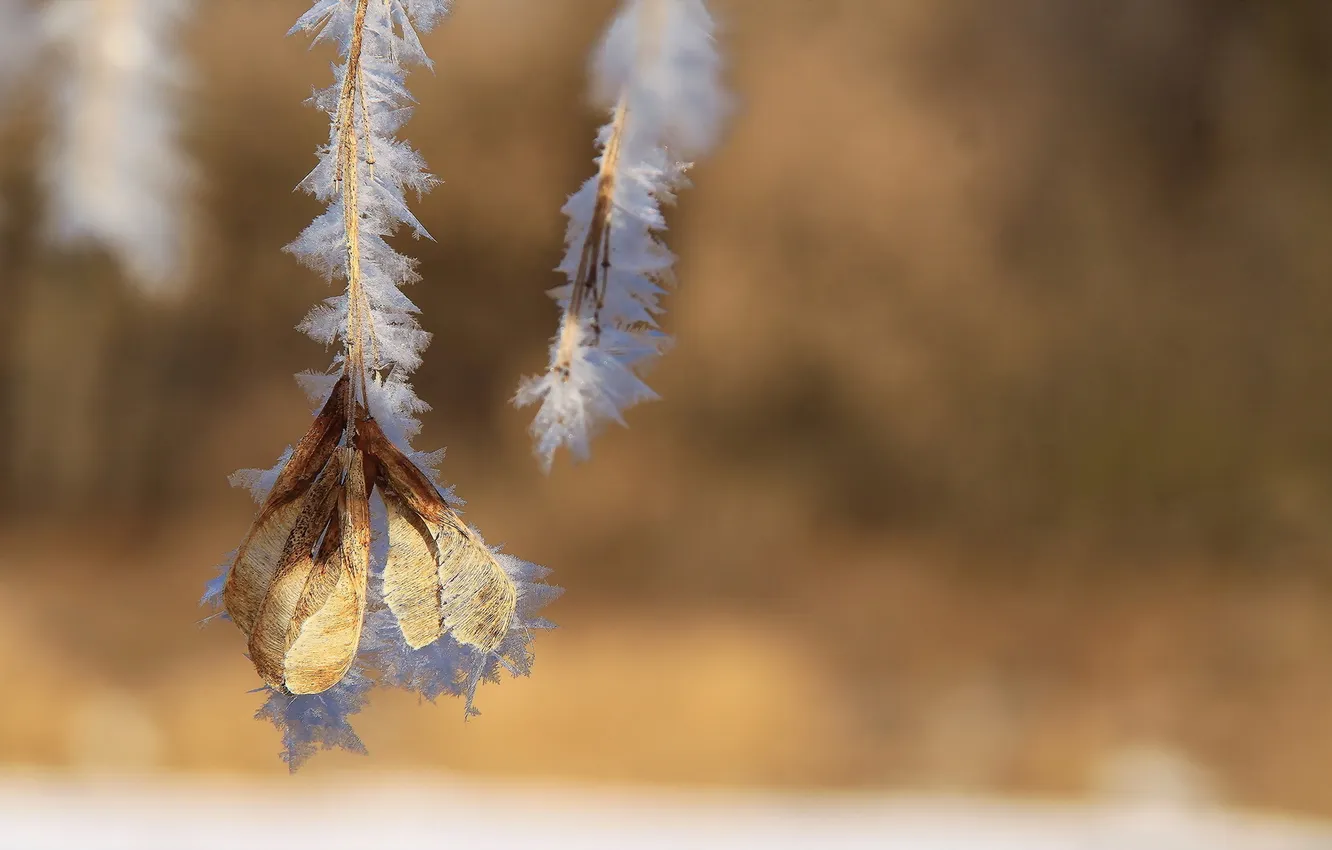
(183,813)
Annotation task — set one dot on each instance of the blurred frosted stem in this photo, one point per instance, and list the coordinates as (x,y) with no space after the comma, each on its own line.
(18,44)
(657,72)
(115,171)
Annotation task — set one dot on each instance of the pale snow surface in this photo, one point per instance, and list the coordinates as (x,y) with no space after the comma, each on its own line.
(52,813)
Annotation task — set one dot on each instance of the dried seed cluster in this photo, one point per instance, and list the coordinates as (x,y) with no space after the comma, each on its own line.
(435,607)
(358,569)
(298,585)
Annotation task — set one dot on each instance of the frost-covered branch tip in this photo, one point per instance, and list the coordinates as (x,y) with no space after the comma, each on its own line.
(657,71)
(114,169)
(358,567)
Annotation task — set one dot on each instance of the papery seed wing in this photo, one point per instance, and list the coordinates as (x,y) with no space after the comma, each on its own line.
(354,511)
(477,596)
(329,616)
(275,626)
(325,575)
(257,558)
(411,574)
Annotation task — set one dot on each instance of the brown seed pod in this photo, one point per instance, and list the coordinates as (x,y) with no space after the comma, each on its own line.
(411,574)
(400,474)
(325,630)
(477,597)
(257,558)
(274,625)
(440,576)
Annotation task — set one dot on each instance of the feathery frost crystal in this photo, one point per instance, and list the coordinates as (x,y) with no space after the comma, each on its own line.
(358,568)
(656,70)
(114,170)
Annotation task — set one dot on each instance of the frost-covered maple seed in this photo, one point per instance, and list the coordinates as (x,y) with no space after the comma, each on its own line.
(358,567)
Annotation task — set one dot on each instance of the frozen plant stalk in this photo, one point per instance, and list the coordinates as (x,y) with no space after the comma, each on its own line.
(656,70)
(358,566)
(115,172)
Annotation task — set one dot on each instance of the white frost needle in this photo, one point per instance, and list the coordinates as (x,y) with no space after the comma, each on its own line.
(115,171)
(358,567)
(656,70)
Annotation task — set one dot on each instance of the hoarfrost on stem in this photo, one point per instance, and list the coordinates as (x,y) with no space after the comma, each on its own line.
(115,171)
(483,601)
(657,71)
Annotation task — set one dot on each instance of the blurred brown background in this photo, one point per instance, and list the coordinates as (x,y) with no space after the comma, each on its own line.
(997,440)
